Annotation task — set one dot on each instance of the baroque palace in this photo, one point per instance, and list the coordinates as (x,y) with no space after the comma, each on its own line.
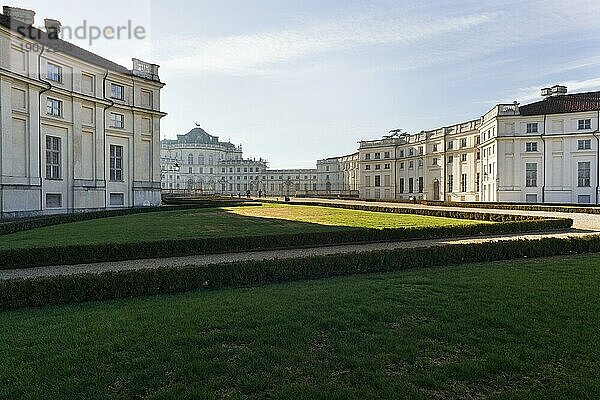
(78,132)
(199,163)
(543,152)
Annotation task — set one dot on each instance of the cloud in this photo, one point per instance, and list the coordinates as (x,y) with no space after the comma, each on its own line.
(248,54)
(532,93)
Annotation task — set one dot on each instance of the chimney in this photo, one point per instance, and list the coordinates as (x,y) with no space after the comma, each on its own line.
(52,26)
(546,92)
(556,90)
(19,14)
(559,90)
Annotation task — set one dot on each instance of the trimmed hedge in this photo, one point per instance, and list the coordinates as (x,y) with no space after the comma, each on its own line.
(23,224)
(562,208)
(91,253)
(114,285)
(472,215)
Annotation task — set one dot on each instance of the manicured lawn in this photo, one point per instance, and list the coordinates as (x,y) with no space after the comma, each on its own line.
(269,219)
(510,330)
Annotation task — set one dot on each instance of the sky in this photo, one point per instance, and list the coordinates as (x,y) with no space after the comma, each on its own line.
(294,81)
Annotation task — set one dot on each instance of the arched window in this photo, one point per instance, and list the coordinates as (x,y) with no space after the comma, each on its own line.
(201,159)
(190,159)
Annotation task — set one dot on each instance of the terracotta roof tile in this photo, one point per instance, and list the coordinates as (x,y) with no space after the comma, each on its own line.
(569,103)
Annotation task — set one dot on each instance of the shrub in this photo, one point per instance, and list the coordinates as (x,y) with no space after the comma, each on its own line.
(113,285)
(91,253)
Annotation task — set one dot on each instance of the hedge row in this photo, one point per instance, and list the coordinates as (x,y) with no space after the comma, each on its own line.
(23,224)
(90,253)
(114,285)
(562,208)
(472,215)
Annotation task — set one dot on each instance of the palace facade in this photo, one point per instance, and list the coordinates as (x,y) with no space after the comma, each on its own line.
(78,132)
(543,152)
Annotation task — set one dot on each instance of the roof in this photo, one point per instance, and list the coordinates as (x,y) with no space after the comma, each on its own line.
(569,103)
(199,136)
(60,45)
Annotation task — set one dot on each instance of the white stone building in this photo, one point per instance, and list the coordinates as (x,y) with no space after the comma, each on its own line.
(78,131)
(543,152)
(199,163)
(338,176)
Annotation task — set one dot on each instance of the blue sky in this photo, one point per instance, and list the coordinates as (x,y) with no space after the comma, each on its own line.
(294,81)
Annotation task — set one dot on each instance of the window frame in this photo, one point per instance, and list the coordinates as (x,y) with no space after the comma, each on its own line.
(54,167)
(112,91)
(529,128)
(113,121)
(52,75)
(531,175)
(584,124)
(582,179)
(53,105)
(116,170)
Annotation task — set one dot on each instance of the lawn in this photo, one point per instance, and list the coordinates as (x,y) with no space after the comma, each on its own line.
(510,330)
(269,219)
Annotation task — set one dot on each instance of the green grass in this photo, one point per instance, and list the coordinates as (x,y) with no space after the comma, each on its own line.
(269,219)
(510,330)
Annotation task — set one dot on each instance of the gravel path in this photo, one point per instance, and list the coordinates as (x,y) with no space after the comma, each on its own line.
(584,224)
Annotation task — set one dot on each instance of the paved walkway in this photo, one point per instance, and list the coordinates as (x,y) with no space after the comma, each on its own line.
(584,224)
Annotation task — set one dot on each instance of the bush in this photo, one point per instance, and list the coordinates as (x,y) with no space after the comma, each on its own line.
(113,285)
(80,254)
(562,208)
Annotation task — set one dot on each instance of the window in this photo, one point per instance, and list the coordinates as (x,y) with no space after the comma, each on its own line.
(387,154)
(367,181)
(402,165)
(420,150)
(477,140)
(450,183)
(386,166)
(531,198)
(531,174)
(463,183)
(116,199)
(190,170)
(368,156)
(584,124)
(53,157)
(450,145)
(367,167)
(585,144)
(584,199)
(117,91)
(401,188)
(377,180)
(463,142)
(477,181)
(377,166)
(377,156)
(117,120)
(54,107)
(583,174)
(434,161)
(53,200)
(463,157)
(190,158)
(420,183)
(420,163)
(450,159)
(54,73)
(411,152)
(531,146)
(116,163)
(532,127)
(411,185)
(401,153)
(478,155)
(435,147)
(411,164)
